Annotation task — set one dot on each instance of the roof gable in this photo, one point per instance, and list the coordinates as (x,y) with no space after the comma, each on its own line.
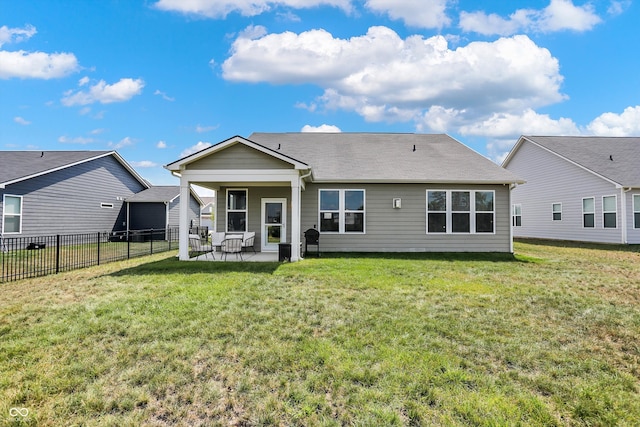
(160,194)
(616,159)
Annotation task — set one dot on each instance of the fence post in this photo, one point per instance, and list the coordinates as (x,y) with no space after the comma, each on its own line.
(151,240)
(98,248)
(128,245)
(57,253)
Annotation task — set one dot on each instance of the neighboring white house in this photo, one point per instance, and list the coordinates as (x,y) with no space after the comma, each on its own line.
(577,188)
(364,192)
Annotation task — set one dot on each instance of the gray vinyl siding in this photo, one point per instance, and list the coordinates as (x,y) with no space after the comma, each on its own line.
(633,234)
(69,200)
(404,230)
(551,179)
(239,156)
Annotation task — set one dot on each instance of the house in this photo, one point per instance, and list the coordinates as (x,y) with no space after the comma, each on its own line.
(578,188)
(365,192)
(207,213)
(157,208)
(62,192)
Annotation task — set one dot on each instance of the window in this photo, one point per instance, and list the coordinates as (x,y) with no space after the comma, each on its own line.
(460,211)
(12,214)
(556,210)
(609,211)
(516,216)
(342,211)
(588,212)
(636,211)
(237,210)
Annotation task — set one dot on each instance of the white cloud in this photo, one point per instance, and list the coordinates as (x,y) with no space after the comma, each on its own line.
(528,122)
(195,148)
(611,124)
(164,95)
(83,81)
(21,121)
(322,128)
(124,142)
(101,92)
(161,144)
(423,14)
(203,129)
(221,8)
(16,35)
(560,15)
(36,65)
(144,164)
(76,140)
(97,131)
(618,7)
(384,77)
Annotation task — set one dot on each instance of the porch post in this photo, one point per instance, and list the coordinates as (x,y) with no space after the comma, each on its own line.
(183,236)
(295,219)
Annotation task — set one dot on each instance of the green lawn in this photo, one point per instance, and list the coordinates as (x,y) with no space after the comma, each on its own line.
(548,337)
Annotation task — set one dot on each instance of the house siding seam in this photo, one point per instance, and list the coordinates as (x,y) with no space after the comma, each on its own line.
(551,179)
(68,200)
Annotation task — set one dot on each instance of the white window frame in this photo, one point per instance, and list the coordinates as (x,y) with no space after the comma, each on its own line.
(554,212)
(472,212)
(342,211)
(516,212)
(5,214)
(636,210)
(245,210)
(614,212)
(589,213)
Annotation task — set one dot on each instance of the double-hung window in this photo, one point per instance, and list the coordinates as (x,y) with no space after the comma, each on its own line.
(342,211)
(516,216)
(237,210)
(636,211)
(453,211)
(556,211)
(609,211)
(588,212)
(12,214)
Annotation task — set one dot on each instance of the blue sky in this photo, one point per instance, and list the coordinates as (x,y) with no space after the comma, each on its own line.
(159,79)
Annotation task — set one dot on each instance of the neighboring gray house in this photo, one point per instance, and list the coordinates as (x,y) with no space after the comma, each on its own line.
(364,192)
(578,188)
(158,208)
(206,211)
(51,192)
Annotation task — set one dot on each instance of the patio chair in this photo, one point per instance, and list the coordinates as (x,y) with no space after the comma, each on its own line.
(312,238)
(249,240)
(232,245)
(199,247)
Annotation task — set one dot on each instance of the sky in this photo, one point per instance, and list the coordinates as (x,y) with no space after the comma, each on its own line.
(157,80)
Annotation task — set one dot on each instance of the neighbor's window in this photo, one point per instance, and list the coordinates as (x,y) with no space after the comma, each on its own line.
(636,211)
(450,211)
(516,216)
(588,212)
(556,209)
(237,210)
(609,211)
(12,214)
(342,211)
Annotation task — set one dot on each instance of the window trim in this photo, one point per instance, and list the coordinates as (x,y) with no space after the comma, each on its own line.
(342,211)
(515,215)
(589,213)
(472,212)
(227,210)
(636,210)
(554,212)
(615,212)
(4,213)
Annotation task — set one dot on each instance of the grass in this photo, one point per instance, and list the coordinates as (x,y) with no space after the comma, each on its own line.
(550,336)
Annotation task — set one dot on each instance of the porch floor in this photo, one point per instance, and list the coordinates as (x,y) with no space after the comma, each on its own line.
(246,257)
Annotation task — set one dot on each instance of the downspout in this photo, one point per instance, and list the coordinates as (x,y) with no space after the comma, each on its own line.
(166,221)
(623,202)
(511,187)
(128,215)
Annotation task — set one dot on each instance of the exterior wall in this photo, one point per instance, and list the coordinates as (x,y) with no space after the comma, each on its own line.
(633,234)
(239,156)
(551,179)
(254,208)
(68,201)
(405,229)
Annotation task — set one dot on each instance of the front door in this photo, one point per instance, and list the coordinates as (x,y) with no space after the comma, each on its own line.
(274,221)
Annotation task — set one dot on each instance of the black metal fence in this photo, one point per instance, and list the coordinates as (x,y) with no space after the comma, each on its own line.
(24,257)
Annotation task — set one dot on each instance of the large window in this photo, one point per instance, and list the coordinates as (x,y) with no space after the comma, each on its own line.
(237,210)
(609,212)
(516,216)
(451,211)
(636,211)
(342,211)
(12,214)
(588,212)
(556,211)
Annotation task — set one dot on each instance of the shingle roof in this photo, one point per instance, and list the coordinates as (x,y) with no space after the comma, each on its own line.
(158,193)
(386,157)
(615,158)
